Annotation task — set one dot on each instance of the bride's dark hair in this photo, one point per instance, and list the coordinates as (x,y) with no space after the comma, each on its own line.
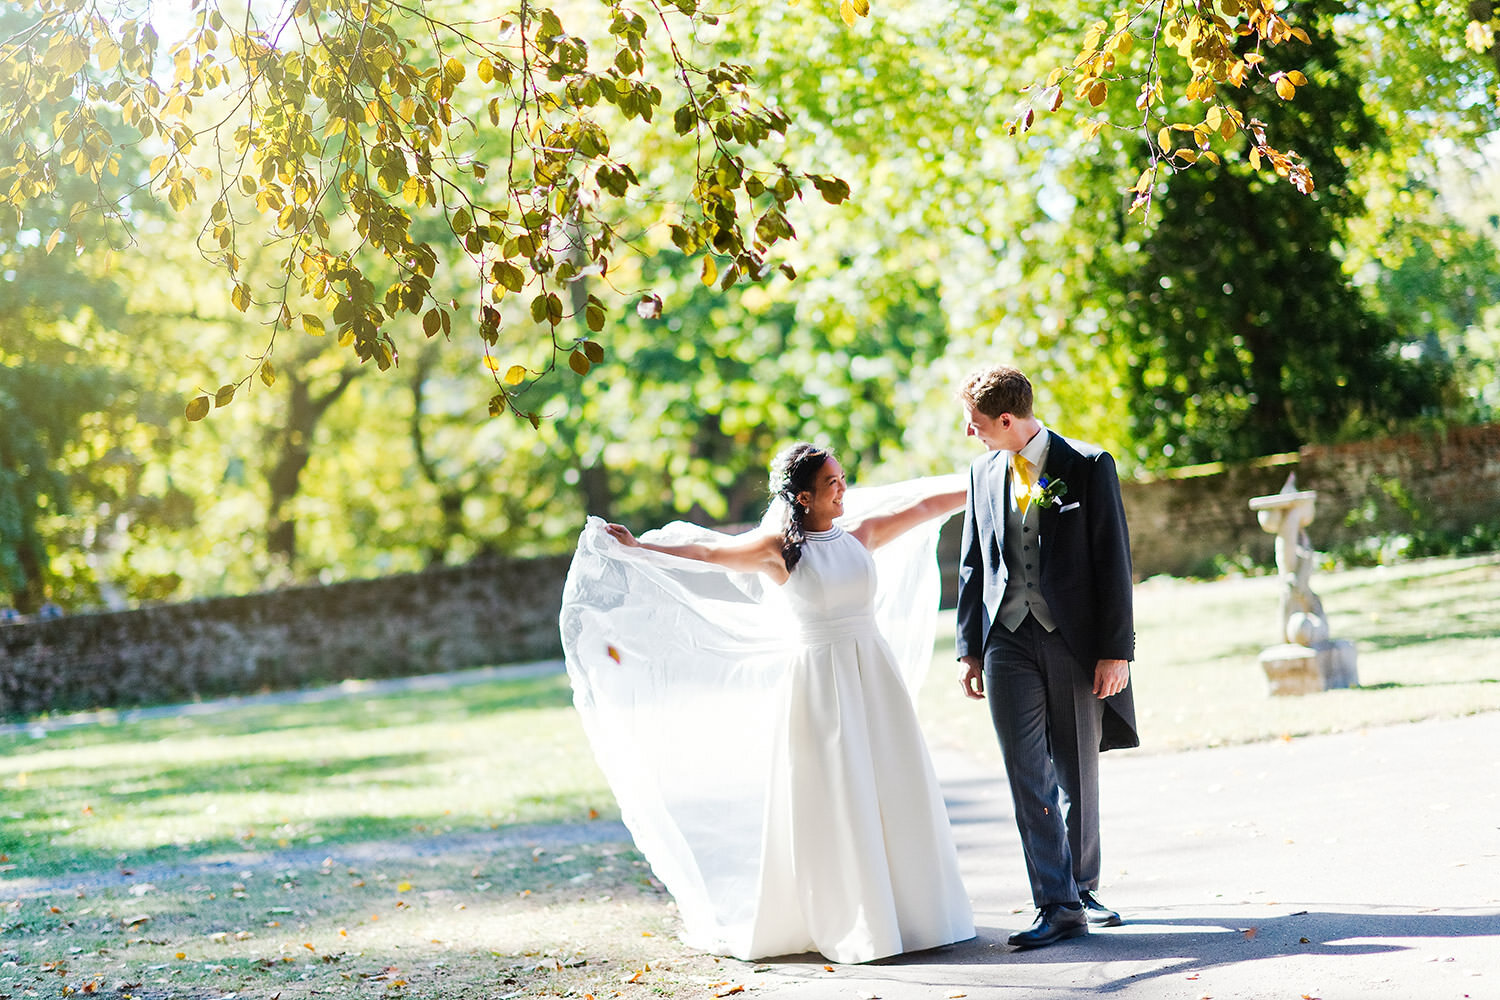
(794,470)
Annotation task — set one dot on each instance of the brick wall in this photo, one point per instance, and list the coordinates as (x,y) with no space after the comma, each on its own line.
(1181,522)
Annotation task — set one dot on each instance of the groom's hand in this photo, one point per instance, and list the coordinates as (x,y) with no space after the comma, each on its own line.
(1110,677)
(972,678)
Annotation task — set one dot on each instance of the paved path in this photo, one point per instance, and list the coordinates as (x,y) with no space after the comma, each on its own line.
(1361,865)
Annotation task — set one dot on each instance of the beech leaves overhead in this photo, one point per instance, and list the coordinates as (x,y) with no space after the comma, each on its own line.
(330,130)
(333,133)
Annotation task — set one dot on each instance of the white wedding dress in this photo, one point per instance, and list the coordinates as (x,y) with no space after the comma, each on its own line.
(762,741)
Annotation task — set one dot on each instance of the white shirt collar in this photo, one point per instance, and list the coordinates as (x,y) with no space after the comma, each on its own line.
(1035,450)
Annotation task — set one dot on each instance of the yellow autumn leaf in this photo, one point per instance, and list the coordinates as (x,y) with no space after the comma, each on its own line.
(1285,89)
(403,887)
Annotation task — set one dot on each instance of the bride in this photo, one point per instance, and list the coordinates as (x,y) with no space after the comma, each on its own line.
(761,740)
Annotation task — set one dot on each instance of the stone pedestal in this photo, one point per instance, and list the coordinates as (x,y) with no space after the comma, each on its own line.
(1291,669)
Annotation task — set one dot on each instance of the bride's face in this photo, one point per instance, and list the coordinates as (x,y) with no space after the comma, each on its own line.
(825,501)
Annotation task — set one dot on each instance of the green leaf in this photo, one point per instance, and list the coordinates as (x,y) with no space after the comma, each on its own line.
(197,408)
(509,275)
(594,316)
(833,189)
(313,325)
(225,395)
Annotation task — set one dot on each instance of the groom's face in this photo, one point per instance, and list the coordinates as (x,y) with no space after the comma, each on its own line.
(994,432)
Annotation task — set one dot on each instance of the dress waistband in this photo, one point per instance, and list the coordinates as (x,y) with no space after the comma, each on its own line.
(831,629)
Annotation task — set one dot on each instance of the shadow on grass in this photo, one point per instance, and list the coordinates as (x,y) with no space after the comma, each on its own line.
(1417,637)
(1401,685)
(341,708)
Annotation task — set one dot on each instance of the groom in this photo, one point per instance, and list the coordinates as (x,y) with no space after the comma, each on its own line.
(1046,632)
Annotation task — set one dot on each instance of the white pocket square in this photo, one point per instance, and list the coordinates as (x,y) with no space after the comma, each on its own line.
(1064,510)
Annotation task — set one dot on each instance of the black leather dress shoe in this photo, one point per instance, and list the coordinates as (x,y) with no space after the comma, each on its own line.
(1054,922)
(1097,912)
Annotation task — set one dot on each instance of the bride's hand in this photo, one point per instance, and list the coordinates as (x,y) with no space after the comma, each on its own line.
(621,534)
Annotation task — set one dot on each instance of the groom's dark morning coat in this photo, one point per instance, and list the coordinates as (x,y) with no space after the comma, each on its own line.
(1085,565)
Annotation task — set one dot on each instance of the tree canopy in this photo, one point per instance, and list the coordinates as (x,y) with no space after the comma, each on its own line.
(375,145)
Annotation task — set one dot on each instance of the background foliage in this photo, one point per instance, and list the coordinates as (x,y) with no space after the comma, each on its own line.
(1366,306)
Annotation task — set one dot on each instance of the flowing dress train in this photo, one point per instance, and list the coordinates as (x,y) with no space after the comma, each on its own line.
(763,745)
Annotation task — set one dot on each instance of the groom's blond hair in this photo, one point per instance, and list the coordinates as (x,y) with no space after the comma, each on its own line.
(998,389)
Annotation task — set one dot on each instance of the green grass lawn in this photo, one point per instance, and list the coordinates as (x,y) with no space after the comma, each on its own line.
(377,844)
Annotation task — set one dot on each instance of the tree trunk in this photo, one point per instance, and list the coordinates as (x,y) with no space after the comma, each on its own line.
(292,448)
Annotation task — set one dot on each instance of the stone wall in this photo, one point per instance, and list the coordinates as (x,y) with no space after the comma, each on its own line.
(500,611)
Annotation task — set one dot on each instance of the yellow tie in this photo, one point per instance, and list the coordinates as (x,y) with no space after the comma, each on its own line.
(1023,479)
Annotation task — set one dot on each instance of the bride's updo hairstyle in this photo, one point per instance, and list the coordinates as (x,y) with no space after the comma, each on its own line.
(794,471)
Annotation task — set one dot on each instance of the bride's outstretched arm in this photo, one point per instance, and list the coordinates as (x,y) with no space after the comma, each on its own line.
(939,496)
(754,552)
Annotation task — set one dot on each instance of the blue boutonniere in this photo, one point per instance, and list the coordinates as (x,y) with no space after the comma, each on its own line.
(1048,492)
